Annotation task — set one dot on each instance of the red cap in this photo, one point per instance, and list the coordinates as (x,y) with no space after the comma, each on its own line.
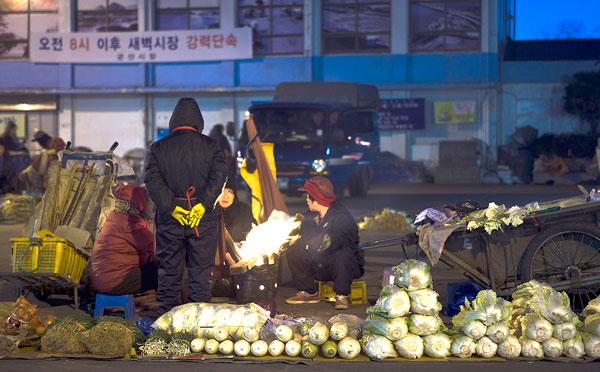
(320,189)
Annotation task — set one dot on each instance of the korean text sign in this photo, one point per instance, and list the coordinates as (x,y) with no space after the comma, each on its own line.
(402,114)
(140,47)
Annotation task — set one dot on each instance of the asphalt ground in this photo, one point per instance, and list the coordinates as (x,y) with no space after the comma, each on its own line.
(406,197)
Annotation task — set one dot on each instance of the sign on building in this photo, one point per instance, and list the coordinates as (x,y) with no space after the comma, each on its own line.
(140,47)
(402,114)
(455,112)
(18,119)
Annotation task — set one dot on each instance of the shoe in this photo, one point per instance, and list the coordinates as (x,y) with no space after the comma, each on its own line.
(303,297)
(341,302)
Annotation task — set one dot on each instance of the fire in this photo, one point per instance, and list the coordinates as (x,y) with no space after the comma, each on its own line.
(264,241)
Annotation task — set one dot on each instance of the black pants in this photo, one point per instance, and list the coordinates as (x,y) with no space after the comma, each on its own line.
(177,246)
(139,279)
(339,266)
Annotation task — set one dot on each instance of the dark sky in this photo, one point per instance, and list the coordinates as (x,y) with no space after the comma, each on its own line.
(541,19)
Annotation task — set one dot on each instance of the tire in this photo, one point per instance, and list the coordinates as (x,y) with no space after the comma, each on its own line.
(359,184)
(563,252)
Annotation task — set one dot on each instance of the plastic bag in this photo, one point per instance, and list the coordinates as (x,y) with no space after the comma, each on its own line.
(201,318)
(353,323)
(268,332)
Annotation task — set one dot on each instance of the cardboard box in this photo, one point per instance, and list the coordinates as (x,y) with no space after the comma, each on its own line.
(358,292)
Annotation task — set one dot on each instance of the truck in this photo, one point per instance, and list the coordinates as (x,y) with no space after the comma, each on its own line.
(326,129)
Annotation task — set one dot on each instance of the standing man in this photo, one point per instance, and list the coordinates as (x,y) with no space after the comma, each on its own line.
(185,174)
(327,247)
(35,177)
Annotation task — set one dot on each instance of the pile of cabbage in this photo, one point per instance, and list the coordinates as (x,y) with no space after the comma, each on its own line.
(544,322)
(591,328)
(483,328)
(404,321)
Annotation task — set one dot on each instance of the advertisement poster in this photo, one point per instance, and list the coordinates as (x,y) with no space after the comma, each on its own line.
(19,119)
(402,114)
(455,112)
(140,47)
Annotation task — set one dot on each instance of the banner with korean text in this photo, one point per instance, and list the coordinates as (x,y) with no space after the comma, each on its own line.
(140,47)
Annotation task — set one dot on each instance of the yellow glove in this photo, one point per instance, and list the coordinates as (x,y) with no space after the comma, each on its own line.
(181,215)
(196,214)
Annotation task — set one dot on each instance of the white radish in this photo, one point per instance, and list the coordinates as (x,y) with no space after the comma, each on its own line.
(259,348)
(338,331)
(251,334)
(211,346)
(276,348)
(284,333)
(348,348)
(197,344)
(220,333)
(292,348)
(226,347)
(241,348)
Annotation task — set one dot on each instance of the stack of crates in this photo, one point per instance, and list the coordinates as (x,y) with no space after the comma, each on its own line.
(48,253)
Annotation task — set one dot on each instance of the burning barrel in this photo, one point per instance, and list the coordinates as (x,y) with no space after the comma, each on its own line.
(259,285)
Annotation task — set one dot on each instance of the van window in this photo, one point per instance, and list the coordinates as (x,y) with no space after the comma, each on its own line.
(355,122)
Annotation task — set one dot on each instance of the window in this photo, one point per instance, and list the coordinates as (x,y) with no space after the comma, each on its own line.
(187,14)
(107,15)
(278,25)
(445,25)
(356,26)
(19,18)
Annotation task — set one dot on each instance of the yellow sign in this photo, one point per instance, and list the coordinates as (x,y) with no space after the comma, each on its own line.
(454,112)
(18,118)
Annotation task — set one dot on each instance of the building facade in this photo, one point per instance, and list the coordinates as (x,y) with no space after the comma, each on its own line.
(441,51)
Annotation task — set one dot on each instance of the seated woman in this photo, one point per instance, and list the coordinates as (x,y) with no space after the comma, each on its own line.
(237,214)
(123,254)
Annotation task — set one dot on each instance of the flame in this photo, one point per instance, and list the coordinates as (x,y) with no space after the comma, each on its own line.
(264,241)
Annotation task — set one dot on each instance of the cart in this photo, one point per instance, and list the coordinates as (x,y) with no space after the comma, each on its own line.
(80,166)
(558,244)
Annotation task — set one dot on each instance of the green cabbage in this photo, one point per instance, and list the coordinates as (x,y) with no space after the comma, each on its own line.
(413,275)
(393,329)
(424,302)
(410,347)
(462,346)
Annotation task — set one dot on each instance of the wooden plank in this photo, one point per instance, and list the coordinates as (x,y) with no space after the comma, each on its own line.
(465,266)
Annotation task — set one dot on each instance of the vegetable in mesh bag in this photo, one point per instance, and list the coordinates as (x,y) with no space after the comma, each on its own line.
(531,348)
(226,347)
(319,333)
(536,328)
(510,348)
(574,348)
(197,345)
(309,350)
(553,347)
(498,332)
(410,347)
(392,303)
(112,336)
(593,307)
(424,325)
(591,344)
(485,347)
(567,330)
(413,275)
(377,347)
(424,302)
(462,346)
(345,325)
(329,349)
(64,336)
(437,345)
(552,305)
(393,329)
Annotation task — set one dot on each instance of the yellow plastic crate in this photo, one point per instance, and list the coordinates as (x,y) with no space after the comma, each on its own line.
(47,253)
(358,292)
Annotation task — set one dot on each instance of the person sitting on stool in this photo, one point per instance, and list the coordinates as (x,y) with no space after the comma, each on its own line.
(327,247)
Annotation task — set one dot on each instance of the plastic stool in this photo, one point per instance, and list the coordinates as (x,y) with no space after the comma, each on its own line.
(125,301)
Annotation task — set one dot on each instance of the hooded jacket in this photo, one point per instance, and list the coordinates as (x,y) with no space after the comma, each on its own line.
(124,242)
(238,216)
(184,159)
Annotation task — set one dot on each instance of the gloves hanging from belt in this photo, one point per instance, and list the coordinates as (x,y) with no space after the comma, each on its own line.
(196,215)
(182,216)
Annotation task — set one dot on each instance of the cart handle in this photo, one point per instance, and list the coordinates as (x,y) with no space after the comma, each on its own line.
(20,260)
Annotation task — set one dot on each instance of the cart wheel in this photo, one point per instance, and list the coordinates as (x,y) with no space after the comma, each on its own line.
(569,251)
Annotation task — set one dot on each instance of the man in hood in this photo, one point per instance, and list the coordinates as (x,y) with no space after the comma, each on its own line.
(185,174)
(123,254)
(327,249)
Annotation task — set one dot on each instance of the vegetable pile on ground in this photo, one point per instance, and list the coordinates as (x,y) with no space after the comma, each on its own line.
(404,321)
(386,220)
(545,323)
(591,328)
(483,327)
